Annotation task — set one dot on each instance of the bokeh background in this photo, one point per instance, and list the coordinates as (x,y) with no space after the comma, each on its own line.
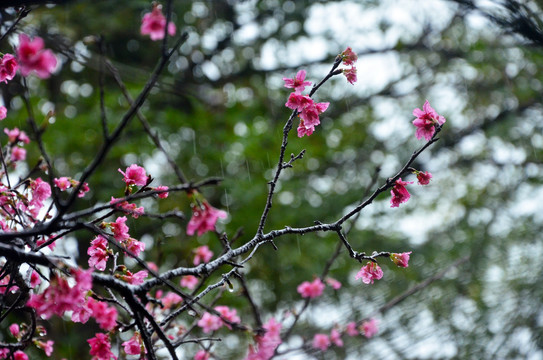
(219,108)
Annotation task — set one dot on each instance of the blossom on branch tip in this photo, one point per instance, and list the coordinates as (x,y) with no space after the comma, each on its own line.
(426,121)
(321,341)
(203,218)
(370,272)
(8,67)
(423,177)
(134,279)
(154,24)
(350,74)
(369,328)
(134,175)
(311,289)
(63,183)
(348,56)
(401,259)
(33,57)
(298,83)
(399,193)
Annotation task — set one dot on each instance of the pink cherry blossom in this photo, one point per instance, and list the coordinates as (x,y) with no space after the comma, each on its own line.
(84,189)
(311,289)
(335,338)
(351,329)
(210,323)
(19,355)
(126,207)
(101,347)
(424,177)
(63,183)
(321,341)
(162,195)
(426,120)
(298,83)
(134,246)
(369,273)
(202,254)
(3,112)
(154,23)
(228,314)
(303,130)
(267,343)
(134,346)
(310,114)
(35,279)
(350,74)
(399,193)
(348,56)
(98,252)
(202,355)
(336,285)
(135,279)
(8,67)
(204,218)
(14,330)
(47,347)
(298,101)
(171,299)
(17,154)
(16,135)
(33,57)
(119,229)
(401,259)
(189,281)
(370,328)
(134,175)
(105,316)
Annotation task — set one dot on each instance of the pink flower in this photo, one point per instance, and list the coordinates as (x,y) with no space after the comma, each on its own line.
(154,23)
(424,177)
(321,341)
(63,183)
(335,338)
(14,330)
(210,323)
(84,189)
(101,347)
(3,112)
(189,281)
(399,193)
(204,218)
(348,56)
(18,154)
(135,175)
(119,229)
(33,57)
(351,329)
(135,279)
(202,254)
(4,353)
(19,355)
(310,114)
(16,135)
(127,207)
(105,316)
(227,314)
(370,272)
(171,299)
(162,195)
(298,101)
(267,343)
(134,246)
(202,355)
(336,285)
(370,328)
(298,83)
(46,346)
(311,289)
(426,120)
(350,74)
(303,130)
(401,259)
(8,67)
(98,252)
(35,279)
(134,346)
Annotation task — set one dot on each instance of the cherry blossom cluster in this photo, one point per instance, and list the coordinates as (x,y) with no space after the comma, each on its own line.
(154,24)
